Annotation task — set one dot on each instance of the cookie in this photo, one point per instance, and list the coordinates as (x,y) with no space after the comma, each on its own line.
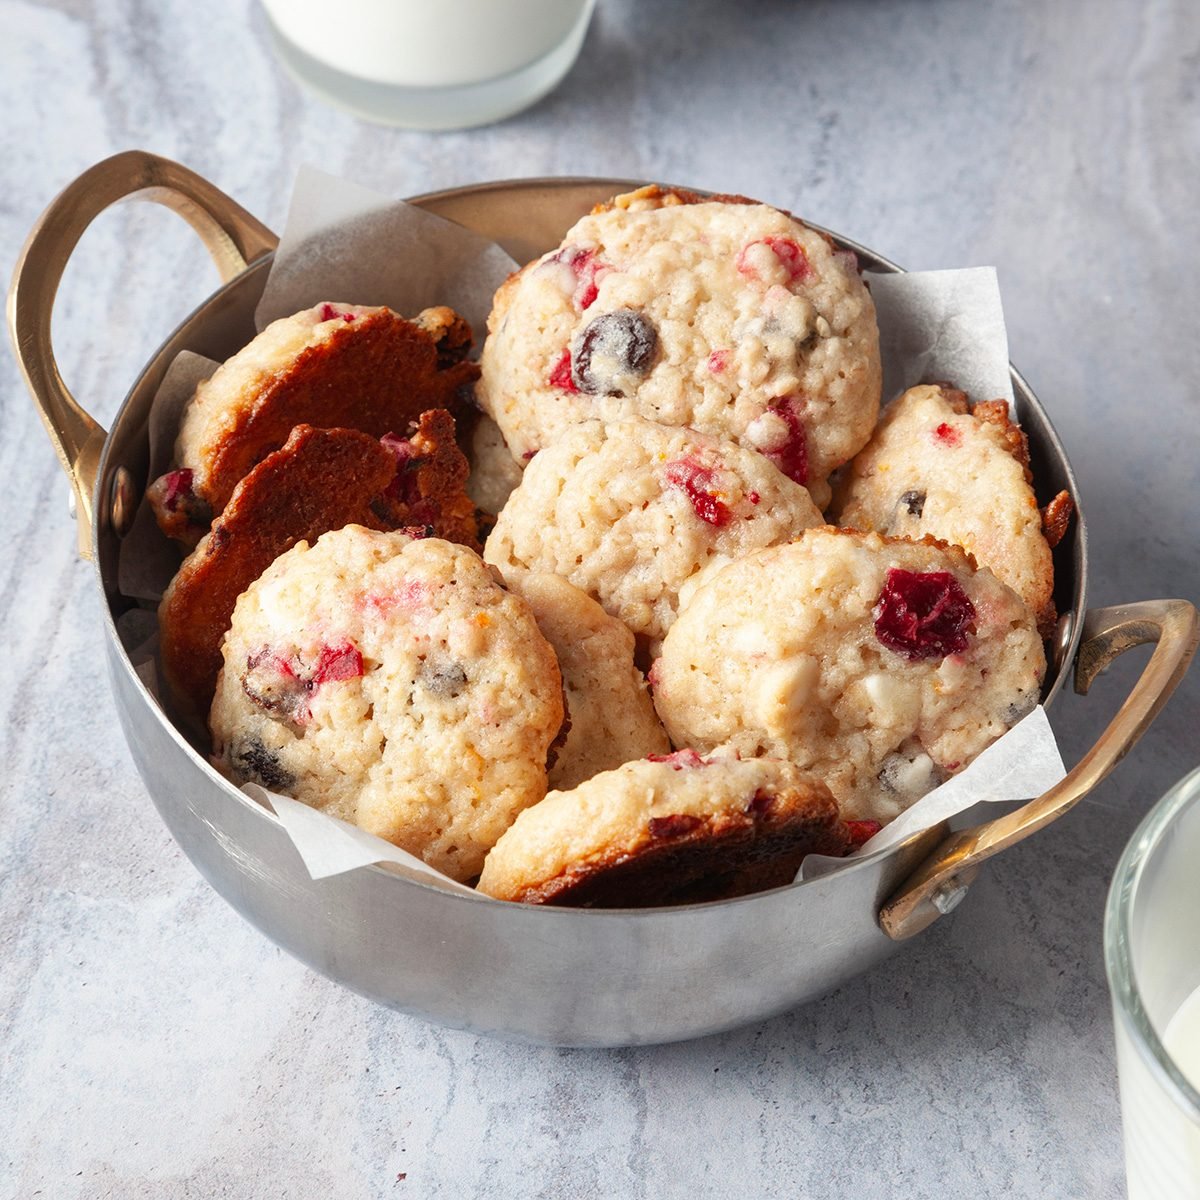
(937,467)
(494,474)
(882,666)
(629,511)
(320,480)
(612,719)
(681,829)
(333,365)
(726,316)
(394,683)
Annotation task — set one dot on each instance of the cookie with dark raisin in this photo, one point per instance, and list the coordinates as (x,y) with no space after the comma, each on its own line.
(320,480)
(881,665)
(719,313)
(392,682)
(936,466)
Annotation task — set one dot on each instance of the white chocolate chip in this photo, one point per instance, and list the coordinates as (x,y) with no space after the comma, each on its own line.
(783,692)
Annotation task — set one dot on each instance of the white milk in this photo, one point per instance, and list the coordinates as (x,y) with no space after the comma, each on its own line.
(1162,1145)
(418,43)
(1181,1039)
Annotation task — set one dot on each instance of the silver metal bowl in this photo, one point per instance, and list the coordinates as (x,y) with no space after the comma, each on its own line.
(557,976)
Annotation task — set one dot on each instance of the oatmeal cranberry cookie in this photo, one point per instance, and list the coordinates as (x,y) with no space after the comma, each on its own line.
(320,480)
(936,466)
(677,829)
(394,683)
(494,474)
(612,719)
(333,365)
(724,315)
(881,665)
(629,511)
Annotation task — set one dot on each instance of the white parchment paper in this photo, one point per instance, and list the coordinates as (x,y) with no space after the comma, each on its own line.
(344,243)
(937,326)
(1022,764)
(330,846)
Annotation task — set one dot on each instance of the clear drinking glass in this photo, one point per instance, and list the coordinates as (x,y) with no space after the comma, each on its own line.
(445,65)
(1152,952)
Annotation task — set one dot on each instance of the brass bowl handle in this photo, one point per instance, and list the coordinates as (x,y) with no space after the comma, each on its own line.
(233,237)
(942,878)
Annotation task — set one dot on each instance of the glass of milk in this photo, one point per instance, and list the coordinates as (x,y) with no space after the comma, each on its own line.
(429,64)
(1152,951)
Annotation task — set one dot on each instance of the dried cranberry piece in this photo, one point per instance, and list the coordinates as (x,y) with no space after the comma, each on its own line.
(588,269)
(947,435)
(789,253)
(923,615)
(283,687)
(328,313)
(405,487)
(760,804)
(674,825)
(678,760)
(335,663)
(791,457)
(613,345)
(718,360)
(861,832)
(561,376)
(271,682)
(699,484)
(177,485)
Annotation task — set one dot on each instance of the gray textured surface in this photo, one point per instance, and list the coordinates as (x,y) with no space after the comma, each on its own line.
(156,1046)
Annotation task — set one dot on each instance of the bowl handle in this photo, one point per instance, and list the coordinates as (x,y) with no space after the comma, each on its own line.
(941,880)
(233,237)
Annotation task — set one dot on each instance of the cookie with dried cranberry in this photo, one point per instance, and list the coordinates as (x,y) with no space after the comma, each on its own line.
(674,830)
(723,315)
(321,479)
(629,511)
(394,683)
(883,666)
(494,473)
(936,466)
(333,365)
(612,719)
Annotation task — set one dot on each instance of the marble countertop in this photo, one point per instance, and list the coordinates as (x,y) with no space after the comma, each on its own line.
(155,1045)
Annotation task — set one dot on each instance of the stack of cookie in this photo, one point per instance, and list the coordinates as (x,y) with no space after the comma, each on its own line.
(726,616)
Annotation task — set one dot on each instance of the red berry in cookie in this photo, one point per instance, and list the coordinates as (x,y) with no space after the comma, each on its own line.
(779,434)
(586,268)
(678,760)
(699,484)
(947,435)
(561,375)
(861,832)
(774,260)
(923,615)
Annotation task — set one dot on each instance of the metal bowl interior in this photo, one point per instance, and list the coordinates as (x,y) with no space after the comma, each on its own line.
(560,976)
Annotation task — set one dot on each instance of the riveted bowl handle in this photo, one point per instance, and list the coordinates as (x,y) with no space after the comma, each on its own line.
(937,883)
(233,237)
